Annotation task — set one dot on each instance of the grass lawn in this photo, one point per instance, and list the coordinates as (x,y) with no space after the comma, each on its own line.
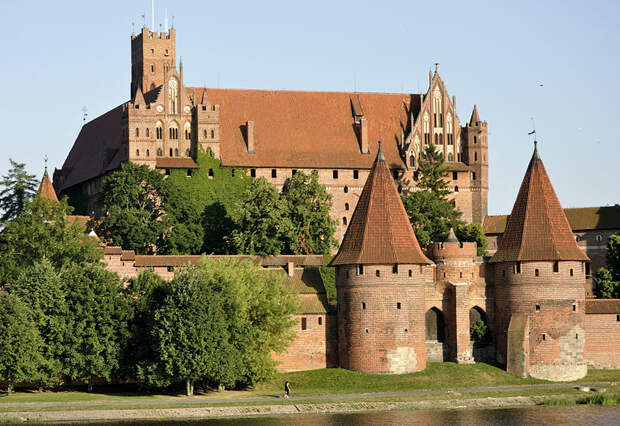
(322,382)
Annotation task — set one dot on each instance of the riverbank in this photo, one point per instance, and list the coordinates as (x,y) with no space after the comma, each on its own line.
(442,386)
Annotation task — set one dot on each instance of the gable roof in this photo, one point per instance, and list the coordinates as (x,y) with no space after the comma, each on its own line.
(308,129)
(380,231)
(537,228)
(46,189)
(579,218)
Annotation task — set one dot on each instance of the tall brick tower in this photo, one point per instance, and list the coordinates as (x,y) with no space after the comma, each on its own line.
(539,285)
(477,155)
(380,277)
(151,53)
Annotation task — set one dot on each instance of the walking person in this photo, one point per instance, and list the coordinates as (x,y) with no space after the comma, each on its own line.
(287,389)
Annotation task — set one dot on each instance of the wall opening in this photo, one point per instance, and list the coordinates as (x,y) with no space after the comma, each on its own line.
(435,325)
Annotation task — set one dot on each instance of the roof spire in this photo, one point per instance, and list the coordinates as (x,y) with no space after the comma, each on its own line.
(45,159)
(474,116)
(380,156)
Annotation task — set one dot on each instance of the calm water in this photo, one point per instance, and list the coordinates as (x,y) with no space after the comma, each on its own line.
(587,415)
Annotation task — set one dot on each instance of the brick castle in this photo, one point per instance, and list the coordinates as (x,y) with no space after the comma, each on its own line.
(398,307)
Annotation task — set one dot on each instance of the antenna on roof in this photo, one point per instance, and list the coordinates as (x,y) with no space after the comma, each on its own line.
(152,15)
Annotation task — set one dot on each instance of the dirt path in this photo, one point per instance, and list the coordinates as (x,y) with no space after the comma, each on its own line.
(331,397)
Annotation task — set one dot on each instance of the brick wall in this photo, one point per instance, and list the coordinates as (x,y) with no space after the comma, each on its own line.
(603,340)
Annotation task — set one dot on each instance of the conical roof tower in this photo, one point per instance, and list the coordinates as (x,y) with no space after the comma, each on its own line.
(46,189)
(537,228)
(380,232)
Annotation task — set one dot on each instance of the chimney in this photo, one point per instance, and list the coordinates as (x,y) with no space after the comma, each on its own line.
(250,136)
(290,268)
(364,136)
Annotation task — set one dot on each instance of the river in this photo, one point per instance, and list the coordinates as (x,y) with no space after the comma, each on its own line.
(579,415)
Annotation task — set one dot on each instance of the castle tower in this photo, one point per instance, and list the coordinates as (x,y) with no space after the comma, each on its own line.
(539,285)
(151,53)
(46,189)
(476,134)
(456,262)
(380,277)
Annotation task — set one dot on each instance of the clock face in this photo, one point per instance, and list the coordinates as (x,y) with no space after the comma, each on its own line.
(160,108)
(186,109)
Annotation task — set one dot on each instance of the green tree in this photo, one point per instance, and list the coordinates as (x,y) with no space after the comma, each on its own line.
(41,288)
(433,170)
(19,189)
(608,279)
(472,232)
(134,200)
(20,343)
(308,205)
(43,231)
(261,223)
(97,322)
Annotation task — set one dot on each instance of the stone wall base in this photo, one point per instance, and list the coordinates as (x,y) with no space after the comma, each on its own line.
(558,372)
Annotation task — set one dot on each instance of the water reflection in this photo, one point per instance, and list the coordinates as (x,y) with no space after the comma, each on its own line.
(587,415)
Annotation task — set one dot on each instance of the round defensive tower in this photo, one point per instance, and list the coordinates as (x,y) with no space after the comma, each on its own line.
(539,274)
(381,273)
(455,260)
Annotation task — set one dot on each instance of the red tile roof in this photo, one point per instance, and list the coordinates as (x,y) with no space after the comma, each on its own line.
(579,218)
(380,231)
(308,129)
(46,189)
(537,228)
(474,117)
(175,163)
(602,306)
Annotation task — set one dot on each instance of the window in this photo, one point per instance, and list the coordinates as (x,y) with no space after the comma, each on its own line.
(397,305)
(344,221)
(537,308)
(159,132)
(232,172)
(395,268)
(587,269)
(518,268)
(436,139)
(137,152)
(395,174)
(204,133)
(473,175)
(441,139)
(304,323)
(455,175)
(544,336)
(377,273)
(335,174)
(274,173)
(137,132)
(536,272)
(212,134)
(320,321)
(160,153)
(366,330)
(187,134)
(556,266)
(617,318)
(456,188)
(293,172)
(346,206)
(574,307)
(360,269)
(173,132)
(346,189)
(363,305)
(148,133)
(410,273)
(412,161)
(475,156)
(416,175)
(152,67)
(148,153)
(171,152)
(356,174)
(253,173)
(172,95)
(571,272)
(475,140)
(176,152)
(450,156)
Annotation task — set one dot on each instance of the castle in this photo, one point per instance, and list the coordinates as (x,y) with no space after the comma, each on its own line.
(398,306)
(274,134)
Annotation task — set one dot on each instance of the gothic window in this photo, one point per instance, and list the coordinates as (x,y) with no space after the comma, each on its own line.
(172,96)
(148,153)
(346,206)
(171,152)
(427,130)
(412,161)
(456,188)
(335,174)
(356,174)
(436,139)
(173,131)
(137,132)
(160,153)
(158,130)
(147,132)
(188,131)
(449,130)
(344,221)
(450,157)
(212,134)
(437,111)
(137,152)
(176,152)
(152,86)
(346,189)
(441,139)
(274,173)
(205,133)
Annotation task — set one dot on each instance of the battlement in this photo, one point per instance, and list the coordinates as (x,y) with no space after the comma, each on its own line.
(147,33)
(447,249)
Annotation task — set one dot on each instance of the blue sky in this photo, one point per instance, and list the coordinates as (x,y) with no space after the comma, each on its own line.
(61,56)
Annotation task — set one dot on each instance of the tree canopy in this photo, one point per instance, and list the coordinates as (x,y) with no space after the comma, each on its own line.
(44,231)
(608,279)
(19,188)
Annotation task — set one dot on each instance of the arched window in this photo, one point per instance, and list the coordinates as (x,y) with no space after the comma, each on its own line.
(152,86)
(479,331)
(158,130)
(137,152)
(346,189)
(435,326)
(412,161)
(176,152)
(344,221)
(148,153)
(436,139)
(172,96)
(449,130)
(346,206)
(427,130)
(160,153)
(171,152)
(450,156)
(137,132)
(437,110)
(188,131)
(456,188)
(205,133)
(212,134)
(147,132)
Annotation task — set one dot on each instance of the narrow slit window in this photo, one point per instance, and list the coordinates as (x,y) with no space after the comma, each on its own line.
(304,323)
(395,268)
(356,174)
(537,308)
(274,173)
(397,305)
(320,321)
(556,266)
(363,305)
(410,273)
(377,273)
